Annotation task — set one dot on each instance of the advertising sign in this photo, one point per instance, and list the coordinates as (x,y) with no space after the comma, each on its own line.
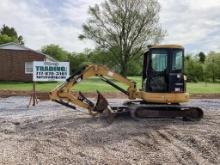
(50,71)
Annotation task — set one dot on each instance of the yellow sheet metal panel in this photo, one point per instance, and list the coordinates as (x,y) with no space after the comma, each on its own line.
(167,46)
(165,97)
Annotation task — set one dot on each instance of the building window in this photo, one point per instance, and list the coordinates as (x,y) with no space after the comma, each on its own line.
(28,67)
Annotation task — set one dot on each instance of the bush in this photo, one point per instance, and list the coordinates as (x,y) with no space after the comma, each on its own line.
(194,70)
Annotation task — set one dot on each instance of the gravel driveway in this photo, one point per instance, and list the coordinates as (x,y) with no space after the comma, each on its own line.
(52,134)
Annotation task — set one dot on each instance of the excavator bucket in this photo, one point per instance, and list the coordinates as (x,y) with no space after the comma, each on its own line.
(101,103)
(102,106)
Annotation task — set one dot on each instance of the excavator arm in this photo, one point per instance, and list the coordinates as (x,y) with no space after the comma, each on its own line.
(63,93)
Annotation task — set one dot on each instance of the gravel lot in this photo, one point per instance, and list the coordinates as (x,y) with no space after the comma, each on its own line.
(52,134)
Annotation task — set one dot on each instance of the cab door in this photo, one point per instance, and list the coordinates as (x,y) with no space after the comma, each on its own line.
(176,75)
(158,71)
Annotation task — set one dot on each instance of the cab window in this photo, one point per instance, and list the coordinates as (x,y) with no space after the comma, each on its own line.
(159,60)
(177,62)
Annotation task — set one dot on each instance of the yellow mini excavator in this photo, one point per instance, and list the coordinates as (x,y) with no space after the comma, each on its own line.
(163,88)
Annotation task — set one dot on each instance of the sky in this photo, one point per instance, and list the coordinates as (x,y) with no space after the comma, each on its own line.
(195,24)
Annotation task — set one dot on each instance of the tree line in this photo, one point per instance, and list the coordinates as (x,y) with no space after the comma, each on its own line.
(198,67)
(203,67)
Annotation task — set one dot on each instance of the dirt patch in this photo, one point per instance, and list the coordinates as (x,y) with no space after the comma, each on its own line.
(52,134)
(45,96)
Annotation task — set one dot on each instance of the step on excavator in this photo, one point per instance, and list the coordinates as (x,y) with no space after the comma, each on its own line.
(163,88)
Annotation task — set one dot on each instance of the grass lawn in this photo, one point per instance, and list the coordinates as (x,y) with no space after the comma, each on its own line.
(202,87)
(96,84)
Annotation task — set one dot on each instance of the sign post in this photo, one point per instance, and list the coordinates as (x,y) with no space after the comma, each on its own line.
(44,71)
(33,96)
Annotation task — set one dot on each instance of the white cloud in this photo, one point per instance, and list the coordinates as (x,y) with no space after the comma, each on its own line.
(77,11)
(193,24)
(39,27)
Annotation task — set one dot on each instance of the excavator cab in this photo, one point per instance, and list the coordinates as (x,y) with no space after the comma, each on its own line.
(163,69)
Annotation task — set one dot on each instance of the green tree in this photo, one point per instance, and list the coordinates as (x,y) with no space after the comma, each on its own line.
(9,34)
(103,57)
(187,57)
(56,52)
(202,57)
(212,66)
(136,66)
(77,60)
(193,69)
(124,27)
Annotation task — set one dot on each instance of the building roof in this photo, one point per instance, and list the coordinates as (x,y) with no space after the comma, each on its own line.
(15,46)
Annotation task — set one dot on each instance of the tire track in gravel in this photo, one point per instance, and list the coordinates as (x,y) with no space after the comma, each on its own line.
(183,153)
(204,145)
